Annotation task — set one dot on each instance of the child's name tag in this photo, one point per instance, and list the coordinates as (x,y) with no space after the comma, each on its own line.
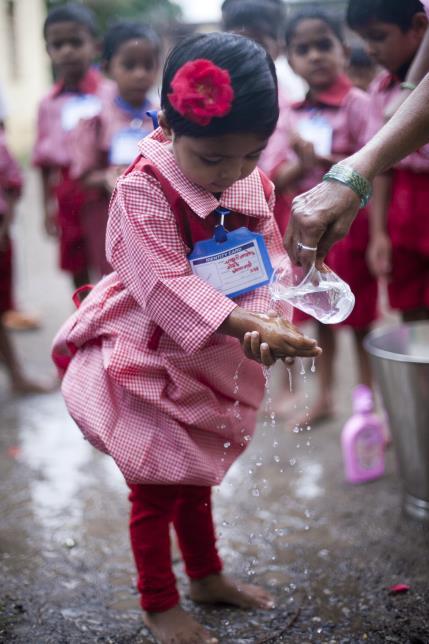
(318,131)
(236,266)
(123,149)
(79,107)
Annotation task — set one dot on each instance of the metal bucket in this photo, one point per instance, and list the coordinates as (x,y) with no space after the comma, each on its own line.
(400,359)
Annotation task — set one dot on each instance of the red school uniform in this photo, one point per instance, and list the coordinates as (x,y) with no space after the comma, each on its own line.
(52,150)
(151,380)
(336,120)
(10,181)
(408,213)
(109,138)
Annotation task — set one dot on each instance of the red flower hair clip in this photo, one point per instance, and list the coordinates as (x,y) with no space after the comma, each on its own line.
(201,90)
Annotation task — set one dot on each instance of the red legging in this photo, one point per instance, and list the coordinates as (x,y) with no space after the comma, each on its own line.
(153,508)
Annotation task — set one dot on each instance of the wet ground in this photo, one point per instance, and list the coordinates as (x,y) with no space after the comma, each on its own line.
(327,550)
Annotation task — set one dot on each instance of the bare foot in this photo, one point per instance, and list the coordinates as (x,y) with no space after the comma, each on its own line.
(22,386)
(175,626)
(322,410)
(218,589)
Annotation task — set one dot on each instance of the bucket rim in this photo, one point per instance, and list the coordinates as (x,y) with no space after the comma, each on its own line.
(391,355)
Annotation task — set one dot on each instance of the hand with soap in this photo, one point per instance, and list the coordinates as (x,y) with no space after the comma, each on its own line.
(268,337)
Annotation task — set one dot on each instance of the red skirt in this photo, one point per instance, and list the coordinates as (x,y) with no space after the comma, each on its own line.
(408,216)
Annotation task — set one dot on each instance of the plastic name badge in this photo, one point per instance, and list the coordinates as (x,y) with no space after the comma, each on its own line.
(318,131)
(123,149)
(84,106)
(234,262)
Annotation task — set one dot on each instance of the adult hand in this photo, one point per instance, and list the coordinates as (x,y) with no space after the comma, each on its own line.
(319,218)
(396,103)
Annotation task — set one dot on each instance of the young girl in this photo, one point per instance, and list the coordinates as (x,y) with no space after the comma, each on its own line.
(106,144)
(70,34)
(151,354)
(330,124)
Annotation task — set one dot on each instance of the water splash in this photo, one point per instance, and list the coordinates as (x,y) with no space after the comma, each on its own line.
(289,372)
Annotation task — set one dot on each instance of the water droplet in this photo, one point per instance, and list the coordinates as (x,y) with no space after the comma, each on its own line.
(289,371)
(302,369)
(277,458)
(259,463)
(227,444)
(273,415)
(292,461)
(306,527)
(296,429)
(255,491)
(313,365)
(275,443)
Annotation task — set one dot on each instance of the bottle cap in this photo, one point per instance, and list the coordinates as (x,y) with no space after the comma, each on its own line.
(362,399)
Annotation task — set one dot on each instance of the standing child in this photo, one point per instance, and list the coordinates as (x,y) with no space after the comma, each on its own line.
(106,144)
(399,248)
(150,356)
(70,34)
(10,188)
(330,123)
(362,69)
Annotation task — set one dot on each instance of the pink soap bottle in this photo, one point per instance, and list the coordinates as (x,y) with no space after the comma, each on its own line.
(363,439)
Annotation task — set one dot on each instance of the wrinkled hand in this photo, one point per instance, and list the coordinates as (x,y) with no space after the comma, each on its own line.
(277,339)
(379,255)
(319,218)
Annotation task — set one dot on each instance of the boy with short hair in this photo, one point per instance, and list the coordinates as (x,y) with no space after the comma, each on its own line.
(399,247)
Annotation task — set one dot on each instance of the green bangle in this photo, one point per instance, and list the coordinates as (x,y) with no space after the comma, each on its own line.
(410,86)
(352,179)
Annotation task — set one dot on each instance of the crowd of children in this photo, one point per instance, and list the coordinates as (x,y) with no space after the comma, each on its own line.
(148,360)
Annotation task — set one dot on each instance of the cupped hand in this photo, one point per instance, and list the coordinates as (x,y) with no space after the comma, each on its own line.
(277,339)
(319,218)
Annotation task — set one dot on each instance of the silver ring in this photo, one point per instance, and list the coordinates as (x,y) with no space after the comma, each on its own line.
(302,246)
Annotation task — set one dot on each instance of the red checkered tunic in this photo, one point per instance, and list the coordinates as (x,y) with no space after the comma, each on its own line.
(166,414)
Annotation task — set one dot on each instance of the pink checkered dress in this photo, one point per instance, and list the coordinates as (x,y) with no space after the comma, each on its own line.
(169,414)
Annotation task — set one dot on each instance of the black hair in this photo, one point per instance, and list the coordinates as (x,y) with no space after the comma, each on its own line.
(255,106)
(259,16)
(398,12)
(72,12)
(125,30)
(359,57)
(330,20)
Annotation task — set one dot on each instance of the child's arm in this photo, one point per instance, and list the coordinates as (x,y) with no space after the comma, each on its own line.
(380,247)
(49,206)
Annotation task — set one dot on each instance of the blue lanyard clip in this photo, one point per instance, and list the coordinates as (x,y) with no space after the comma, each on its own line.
(220,232)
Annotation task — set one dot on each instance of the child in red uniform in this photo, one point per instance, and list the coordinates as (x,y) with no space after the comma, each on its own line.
(150,356)
(70,35)
(10,187)
(106,144)
(331,121)
(399,246)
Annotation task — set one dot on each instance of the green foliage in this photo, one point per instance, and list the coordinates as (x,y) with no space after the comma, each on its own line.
(157,12)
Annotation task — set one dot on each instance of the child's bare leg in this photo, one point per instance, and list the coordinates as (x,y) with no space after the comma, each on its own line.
(364,363)
(20,383)
(81,278)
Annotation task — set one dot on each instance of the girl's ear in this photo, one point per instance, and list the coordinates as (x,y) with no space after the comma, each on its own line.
(163,124)
(419,23)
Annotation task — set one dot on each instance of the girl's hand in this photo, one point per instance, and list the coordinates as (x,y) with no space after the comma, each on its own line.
(379,255)
(305,152)
(277,339)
